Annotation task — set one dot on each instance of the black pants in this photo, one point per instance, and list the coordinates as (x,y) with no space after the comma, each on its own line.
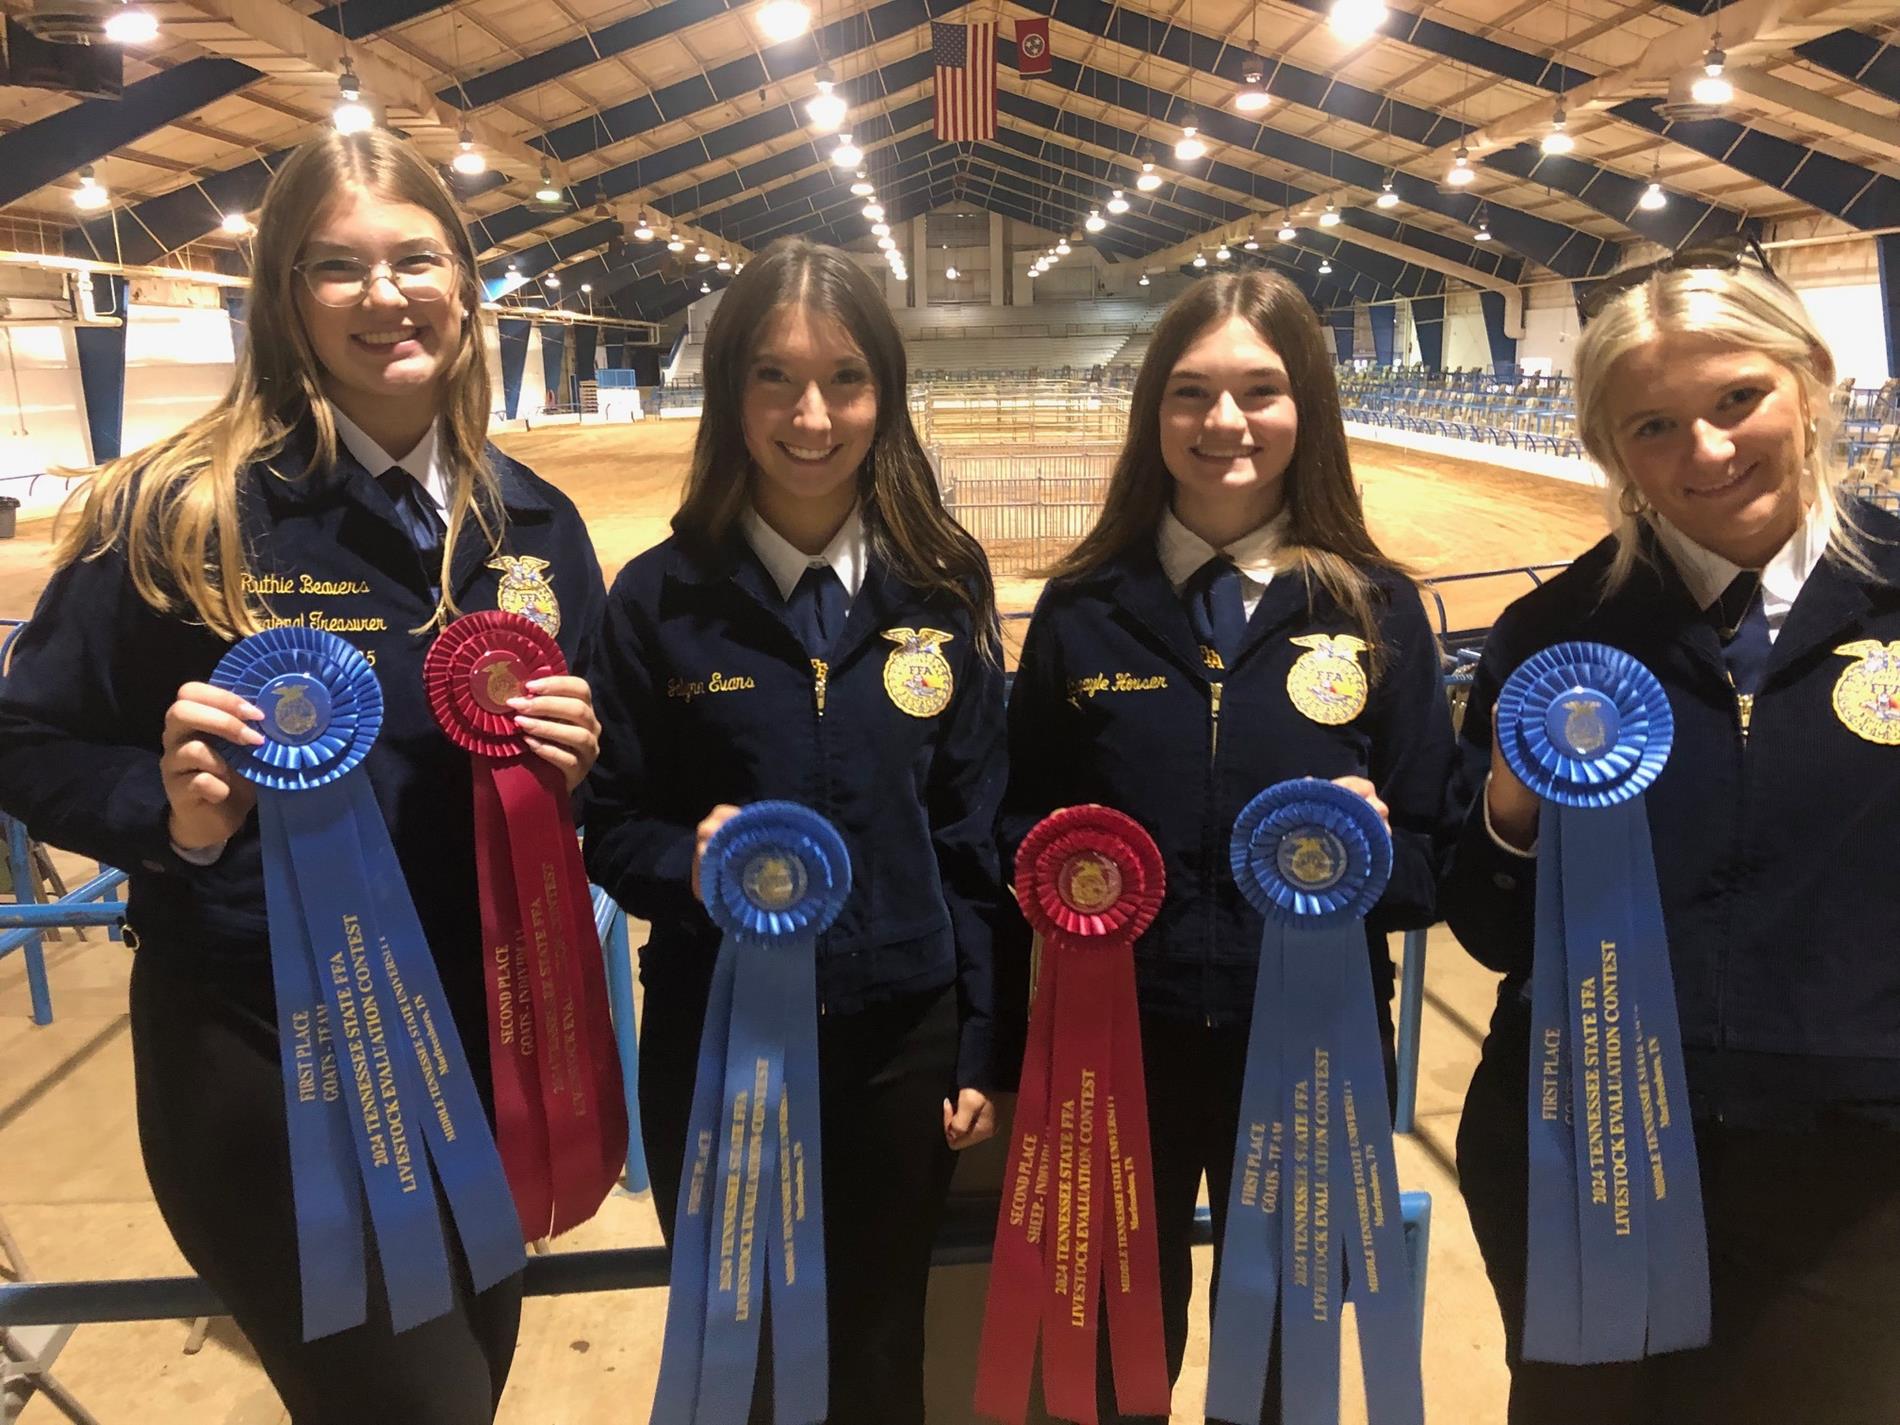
(211,1125)
(1194,1075)
(1804,1261)
(883,1076)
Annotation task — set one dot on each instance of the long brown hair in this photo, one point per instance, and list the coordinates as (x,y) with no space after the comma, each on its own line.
(903,512)
(172,508)
(1326,537)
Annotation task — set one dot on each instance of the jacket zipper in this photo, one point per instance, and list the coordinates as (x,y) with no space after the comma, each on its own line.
(821,677)
(1744,716)
(821,674)
(1211,879)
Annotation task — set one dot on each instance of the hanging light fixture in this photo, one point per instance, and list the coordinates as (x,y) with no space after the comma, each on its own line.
(1654,199)
(1117,204)
(468,160)
(1096,222)
(1252,244)
(547,192)
(351,115)
(642,229)
(1356,20)
(587,288)
(826,109)
(880,229)
(1329,218)
(1712,88)
(1062,247)
(1149,180)
(1142,281)
(1223,253)
(1461,170)
(90,196)
(862,188)
(705,286)
(725,261)
(1387,198)
(675,243)
(1287,233)
(1200,259)
(552,280)
(1558,140)
(847,154)
(781,20)
(1325,266)
(1190,147)
(1252,95)
(131,25)
(702,256)
(1483,234)
(950,273)
(887,243)
(235,224)
(874,211)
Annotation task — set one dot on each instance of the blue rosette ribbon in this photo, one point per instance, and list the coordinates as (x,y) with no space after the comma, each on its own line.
(1313,1212)
(1617,1249)
(378,1098)
(749,1227)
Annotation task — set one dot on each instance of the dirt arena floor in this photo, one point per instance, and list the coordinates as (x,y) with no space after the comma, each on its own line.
(73,1193)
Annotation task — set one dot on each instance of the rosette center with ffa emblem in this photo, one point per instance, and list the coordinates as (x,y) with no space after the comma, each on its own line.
(1312,1216)
(379,1104)
(1076,1225)
(749,1228)
(1618,1253)
(560,1111)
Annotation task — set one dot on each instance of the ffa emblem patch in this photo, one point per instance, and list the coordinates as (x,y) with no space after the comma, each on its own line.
(524,590)
(1090,884)
(1583,726)
(917,675)
(1326,682)
(1867,694)
(1312,859)
(295,715)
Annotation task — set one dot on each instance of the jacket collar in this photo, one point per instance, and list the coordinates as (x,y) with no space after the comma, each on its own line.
(291,478)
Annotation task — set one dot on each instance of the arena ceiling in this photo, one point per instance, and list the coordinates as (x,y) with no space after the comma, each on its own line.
(688,113)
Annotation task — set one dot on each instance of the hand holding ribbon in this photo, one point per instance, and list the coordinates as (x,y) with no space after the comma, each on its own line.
(209,801)
(1313,858)
(370,1050)
(1090,881)
(560,1112)
(1618,1254)
(773,878)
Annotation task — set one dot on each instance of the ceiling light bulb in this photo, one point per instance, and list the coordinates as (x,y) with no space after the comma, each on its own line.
(887,243)
(1712,89)
(1252,95)
(1387,198)
(1286,233)
(847,154)
(1117,203)
(950,273)
(1252,244)
(1190,147)
(1222,253)
(1461,171)
(1329,218)
(874,211)
(587,287)
(236,224)
(705,286)
(1325,266)
(352,117)
(826,109)
(91,194)
(781,20)
(468,160)
(129,25)
(880,229)
(724,264)
(1142,281)
(702,256)
(643,230)
(1149,180)
(1653,198)
(1356,20)
(1483,234)
(1200,259)
(1558,139)
(862,188)
(551,280)
(1062,247)
(547,192)
(675,243)
(1096,222)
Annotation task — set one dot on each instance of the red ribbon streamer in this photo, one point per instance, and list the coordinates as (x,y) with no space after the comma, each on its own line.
(560,1114)
(1076,1224)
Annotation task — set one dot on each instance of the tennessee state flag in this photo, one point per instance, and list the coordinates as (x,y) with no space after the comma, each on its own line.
(1032,46)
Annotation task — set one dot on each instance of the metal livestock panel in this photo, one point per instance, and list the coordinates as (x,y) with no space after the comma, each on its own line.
(1026,508)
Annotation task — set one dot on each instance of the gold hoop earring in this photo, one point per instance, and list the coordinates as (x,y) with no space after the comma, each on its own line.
(1630,501)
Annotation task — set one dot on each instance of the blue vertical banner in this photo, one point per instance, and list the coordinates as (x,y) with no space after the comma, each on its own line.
(1888,247)
(553,348)
(1385,330)
(1341,319)
(1428,320)
(1503,348)
(102,368)
(514,357)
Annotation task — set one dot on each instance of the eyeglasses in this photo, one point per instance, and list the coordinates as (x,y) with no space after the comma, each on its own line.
(341,281)
(1727,253)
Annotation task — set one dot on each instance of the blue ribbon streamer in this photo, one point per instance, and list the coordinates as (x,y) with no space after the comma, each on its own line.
(1617,1250)
(1312,1216)
(748,1238)
(350,966)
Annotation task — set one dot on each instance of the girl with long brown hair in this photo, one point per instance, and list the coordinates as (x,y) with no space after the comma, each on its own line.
(344,483)
(819,630)
(1228,624)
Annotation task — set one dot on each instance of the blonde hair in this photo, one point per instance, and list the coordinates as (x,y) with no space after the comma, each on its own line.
(172,508)
(1745,308)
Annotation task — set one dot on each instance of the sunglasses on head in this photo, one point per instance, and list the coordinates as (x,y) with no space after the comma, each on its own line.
(1727,253)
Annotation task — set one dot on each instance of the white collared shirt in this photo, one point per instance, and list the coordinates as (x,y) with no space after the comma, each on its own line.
(421,463)
(1255,554)
(847,554)
(1708,575)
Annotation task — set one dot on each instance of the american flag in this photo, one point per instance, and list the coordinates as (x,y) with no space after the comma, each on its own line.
(966,80)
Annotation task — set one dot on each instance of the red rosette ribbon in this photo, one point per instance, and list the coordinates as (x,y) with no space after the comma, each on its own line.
(560,1115)
(1076,1224)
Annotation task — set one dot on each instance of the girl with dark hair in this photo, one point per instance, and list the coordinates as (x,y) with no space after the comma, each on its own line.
(818,629)
(1228,624)
(343,482)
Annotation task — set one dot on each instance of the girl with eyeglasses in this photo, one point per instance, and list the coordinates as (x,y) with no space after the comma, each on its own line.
(343,482)
(1768,606)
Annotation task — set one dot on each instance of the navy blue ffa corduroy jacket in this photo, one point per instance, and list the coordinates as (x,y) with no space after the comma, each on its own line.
(1775,851)
(1113,704)
(707,697)
(83,706)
